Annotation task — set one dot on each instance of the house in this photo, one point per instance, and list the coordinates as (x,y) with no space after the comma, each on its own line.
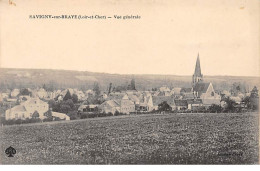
(164,89)
(5,95)
(164,93)
(15,92)
(146,103)
(110,106)
(177,90)
(88,108)
(42,93)
(81,95)
(181,104)
(194,104)
(126,105)
(159,99)
(27,108)
(61,116)
(134,98)
(187,93)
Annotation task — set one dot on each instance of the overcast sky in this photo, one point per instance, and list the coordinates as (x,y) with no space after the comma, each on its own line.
(166,40)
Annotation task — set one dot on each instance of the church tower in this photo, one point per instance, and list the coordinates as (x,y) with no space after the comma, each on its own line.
(197,76)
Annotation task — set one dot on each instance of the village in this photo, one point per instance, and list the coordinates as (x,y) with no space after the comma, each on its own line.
(39,105)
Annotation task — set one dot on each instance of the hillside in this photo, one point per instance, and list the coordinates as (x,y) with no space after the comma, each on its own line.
(31,78)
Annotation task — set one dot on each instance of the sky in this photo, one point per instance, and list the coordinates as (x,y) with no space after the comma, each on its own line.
(165,40)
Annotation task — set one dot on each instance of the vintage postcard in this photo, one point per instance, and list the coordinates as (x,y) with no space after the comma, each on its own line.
(138,82)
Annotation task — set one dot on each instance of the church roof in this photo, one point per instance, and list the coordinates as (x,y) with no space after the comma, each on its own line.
(197,71)
(201,87)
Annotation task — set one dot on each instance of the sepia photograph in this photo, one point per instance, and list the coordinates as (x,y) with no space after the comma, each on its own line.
(129,82)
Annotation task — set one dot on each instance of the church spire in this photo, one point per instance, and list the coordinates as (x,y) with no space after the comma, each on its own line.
(197,76)
(197,68)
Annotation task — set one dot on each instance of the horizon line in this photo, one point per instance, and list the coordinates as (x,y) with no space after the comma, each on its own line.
(125,74)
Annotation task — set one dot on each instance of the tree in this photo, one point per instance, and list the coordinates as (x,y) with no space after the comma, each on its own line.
(64,108)
(44,87)
(254,93)
(48,114)
(35,114)
(69,103)
(96,89)
(25,92)
(246,101)
(215,108)
(24,98)
(230,104)
(132,85)
(164,106)
(110,88)
(254,99)
(67,96)
(75,98)
(51,103)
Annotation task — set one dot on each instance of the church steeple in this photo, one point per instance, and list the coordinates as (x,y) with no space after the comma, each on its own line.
(197,68)
(197,76)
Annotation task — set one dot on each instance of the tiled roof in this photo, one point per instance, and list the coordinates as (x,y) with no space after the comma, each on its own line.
(180,102)
(186,90)
(194,101)
(210,101)
(19,108)
(112,103)
(177,90)
(34,101)
(159,99)
(188,96)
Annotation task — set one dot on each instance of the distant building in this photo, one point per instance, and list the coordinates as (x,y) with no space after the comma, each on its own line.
(146,103)
(126,105)
(206,93)
(187,93)
(42,93)
(60,115)
(159,99)
(202,90)
(88,108)
(177,90)
(110,106)
(164,89)
(15,92)
(27,108)
(181,104)
(194,104)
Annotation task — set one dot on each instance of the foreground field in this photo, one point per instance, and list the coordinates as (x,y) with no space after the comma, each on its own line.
(146,139)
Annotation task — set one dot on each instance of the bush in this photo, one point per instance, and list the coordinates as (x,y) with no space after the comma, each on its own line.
(20,121)
(109,114)
(47,119)
(215,108)
(73,117)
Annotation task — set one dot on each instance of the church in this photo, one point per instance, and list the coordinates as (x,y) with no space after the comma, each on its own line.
(203,90)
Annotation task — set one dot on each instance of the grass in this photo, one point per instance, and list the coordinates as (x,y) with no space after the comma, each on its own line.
(146,139)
